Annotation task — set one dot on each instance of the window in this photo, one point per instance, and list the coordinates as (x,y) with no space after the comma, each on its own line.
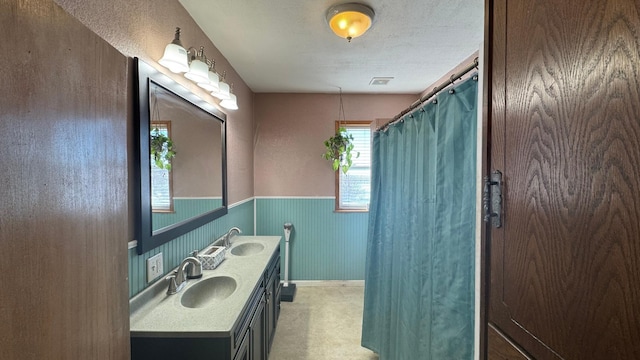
(353,189)
(161,187)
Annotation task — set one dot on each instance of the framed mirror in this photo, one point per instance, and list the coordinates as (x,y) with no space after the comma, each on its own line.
(182,159)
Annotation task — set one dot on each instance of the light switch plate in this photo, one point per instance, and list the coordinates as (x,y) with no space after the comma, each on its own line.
(154,267)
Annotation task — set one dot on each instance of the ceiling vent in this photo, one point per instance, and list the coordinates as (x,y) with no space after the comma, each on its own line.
(380,80)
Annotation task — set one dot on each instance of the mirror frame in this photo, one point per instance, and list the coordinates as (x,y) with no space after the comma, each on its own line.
(148,239)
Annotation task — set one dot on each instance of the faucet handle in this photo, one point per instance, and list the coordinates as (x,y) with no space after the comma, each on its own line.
(173,287)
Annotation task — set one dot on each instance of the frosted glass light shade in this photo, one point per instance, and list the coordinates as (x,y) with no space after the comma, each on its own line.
(231,103)
(198,71)
(212,84)
(350,20)
(223,92)
(175,58)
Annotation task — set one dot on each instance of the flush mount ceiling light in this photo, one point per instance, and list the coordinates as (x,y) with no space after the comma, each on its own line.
(350,20)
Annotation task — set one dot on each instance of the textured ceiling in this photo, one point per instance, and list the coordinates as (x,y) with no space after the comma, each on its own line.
(286,45)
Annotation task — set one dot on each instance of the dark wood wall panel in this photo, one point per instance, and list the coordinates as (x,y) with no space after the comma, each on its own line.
(502,349)
(566,265)
(63,188)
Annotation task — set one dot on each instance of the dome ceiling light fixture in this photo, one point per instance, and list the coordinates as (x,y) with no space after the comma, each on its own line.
(350,20)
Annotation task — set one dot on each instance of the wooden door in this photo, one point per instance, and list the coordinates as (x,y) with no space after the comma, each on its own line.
(564,97)
(63,188)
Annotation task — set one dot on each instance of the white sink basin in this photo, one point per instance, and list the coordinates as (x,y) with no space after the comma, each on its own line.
(245,249)
(210,305)
(208,291)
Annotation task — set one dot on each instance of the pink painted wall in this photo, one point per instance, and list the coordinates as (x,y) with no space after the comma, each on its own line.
(197,167)
(289,135)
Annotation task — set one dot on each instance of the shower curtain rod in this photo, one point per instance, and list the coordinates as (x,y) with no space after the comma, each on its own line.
(433,92)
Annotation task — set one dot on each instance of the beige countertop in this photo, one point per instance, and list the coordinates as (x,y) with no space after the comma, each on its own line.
(153,313)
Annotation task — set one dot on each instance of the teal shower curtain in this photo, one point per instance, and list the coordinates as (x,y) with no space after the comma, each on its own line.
(419,280)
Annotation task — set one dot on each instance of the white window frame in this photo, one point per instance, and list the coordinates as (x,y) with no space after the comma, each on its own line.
(167,204)
(361,164)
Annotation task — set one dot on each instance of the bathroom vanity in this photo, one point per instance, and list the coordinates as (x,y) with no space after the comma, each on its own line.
(230,313)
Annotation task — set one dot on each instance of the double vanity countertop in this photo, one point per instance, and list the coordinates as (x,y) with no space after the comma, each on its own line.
(153,313)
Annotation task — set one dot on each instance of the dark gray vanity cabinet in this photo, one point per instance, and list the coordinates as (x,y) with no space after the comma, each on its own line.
(273,288)
(256,334)
(262,326)
(247,334)
(252,345)
(243,350)
(250,338)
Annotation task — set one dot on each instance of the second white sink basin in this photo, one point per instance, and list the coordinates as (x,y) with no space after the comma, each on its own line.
(245,249)
(208,291)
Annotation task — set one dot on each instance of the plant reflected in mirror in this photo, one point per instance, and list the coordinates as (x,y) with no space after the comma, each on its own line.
(162,149)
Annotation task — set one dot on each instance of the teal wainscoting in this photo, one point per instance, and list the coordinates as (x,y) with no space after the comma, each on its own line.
(325,245)
(174,251)
(184,208)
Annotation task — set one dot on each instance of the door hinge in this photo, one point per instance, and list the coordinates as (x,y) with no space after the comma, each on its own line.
(492,198)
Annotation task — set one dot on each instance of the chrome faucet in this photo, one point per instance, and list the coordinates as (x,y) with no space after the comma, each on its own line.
(229,234)
(189,268)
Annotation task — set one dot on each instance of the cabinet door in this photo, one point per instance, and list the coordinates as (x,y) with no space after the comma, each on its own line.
(273,306)
(243,349)
(277,288)
(257,339)
(565,132)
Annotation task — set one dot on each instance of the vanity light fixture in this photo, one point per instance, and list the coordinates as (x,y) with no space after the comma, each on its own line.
(199,69)
(350,20)
(213,79)
(224,91)
(175,56)
(232,102)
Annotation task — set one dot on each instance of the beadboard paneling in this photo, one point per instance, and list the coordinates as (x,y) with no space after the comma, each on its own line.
(324,245)
(183,209)
(174,251)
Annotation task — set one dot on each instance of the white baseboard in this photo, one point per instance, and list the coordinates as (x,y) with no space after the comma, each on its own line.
(327,282)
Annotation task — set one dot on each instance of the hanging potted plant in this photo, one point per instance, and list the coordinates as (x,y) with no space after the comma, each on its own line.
(162,150)
(338,148)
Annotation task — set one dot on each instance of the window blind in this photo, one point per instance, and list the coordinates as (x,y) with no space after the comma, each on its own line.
(355,185)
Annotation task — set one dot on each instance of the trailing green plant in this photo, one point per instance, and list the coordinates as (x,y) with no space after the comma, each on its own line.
(339,150)
(162,150)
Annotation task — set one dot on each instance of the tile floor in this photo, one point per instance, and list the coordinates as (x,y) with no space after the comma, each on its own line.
(322,323)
